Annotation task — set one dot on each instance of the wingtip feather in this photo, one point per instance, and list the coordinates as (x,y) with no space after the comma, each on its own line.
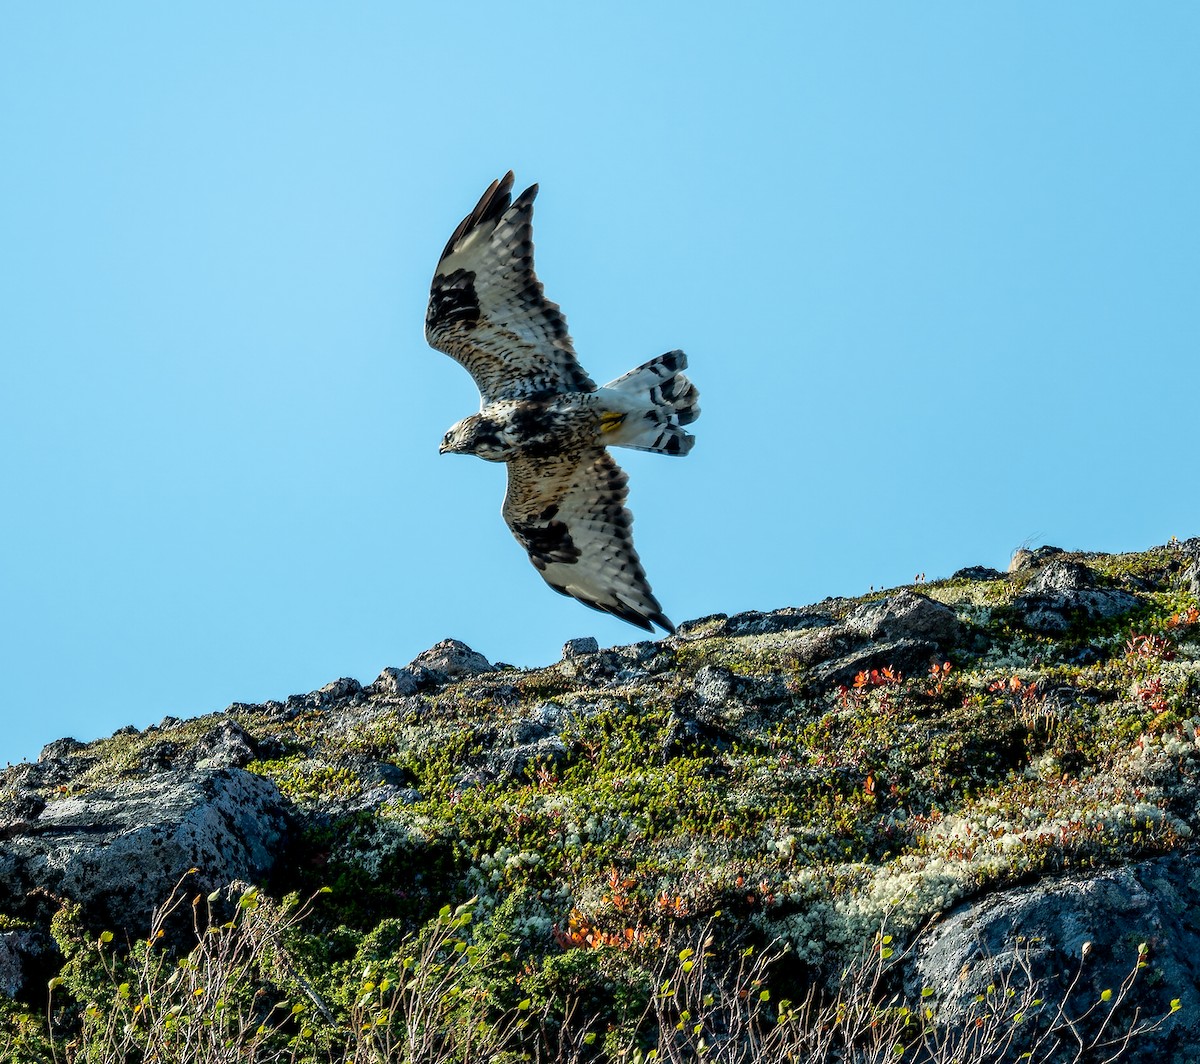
(492,204)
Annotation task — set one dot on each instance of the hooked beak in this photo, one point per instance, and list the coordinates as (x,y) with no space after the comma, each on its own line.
(441,448)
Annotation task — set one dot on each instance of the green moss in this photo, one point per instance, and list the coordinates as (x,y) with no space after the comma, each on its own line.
(305,780)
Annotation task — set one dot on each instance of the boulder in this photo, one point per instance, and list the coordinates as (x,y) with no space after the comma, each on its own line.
(906,615)
(120,848)
(906,656)
(581,647)
(1063,591)
(452,659)
(1088,927)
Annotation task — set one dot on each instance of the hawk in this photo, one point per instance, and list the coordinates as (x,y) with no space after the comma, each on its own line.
(544,417)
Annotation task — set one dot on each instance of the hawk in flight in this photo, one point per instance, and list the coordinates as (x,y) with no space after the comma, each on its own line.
(544,417)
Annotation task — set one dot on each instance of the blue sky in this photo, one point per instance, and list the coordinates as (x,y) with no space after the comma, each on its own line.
(936,268)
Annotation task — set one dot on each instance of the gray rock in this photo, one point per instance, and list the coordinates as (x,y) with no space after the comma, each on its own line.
(699,624)
(1063,591)
(120,849)
(713,684)
(528,730)
(1190,575)
(510,763)
(1110,913)
(906,615)
(907,656)
(396,682)
(577,648)
(452,659)
(1023,559)
(788,619)
(60,748)
(977,572)
(19,954)
(228,745)
(823,645)
(338,690)
(443,663)
(1059,577)
(18,808)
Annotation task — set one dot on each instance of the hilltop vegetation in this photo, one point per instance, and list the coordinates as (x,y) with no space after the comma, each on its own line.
(636,849)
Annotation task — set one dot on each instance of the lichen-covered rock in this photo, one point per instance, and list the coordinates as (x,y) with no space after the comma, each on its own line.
(395,682)
(904,655)
(977,572)
(1086,927)
(788,619)
(228,745)
(114,847)
(906,615)
(443,663)
(22,954)
(578,648)
(453,660)
(1024,559)
(60,748)
(1062,591)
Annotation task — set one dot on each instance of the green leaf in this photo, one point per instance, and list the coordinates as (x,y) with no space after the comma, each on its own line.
(1175,1005)
(765,996)
(589,1038)
(106,937)
(927,992)
(1106,995)
(524,1005)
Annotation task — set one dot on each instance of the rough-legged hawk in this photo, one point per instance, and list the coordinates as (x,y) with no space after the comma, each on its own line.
(544,417)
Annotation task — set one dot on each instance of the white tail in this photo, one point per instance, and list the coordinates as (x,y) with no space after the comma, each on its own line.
(655,401)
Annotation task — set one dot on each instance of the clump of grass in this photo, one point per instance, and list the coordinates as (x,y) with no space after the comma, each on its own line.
(454,994)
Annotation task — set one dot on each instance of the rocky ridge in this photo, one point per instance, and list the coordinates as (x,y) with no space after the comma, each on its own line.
(1012,755)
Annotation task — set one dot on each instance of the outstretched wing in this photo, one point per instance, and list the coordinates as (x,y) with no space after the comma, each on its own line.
(569,513)
(488,311)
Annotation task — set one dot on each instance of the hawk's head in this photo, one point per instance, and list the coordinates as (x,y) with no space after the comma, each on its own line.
(477,435)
